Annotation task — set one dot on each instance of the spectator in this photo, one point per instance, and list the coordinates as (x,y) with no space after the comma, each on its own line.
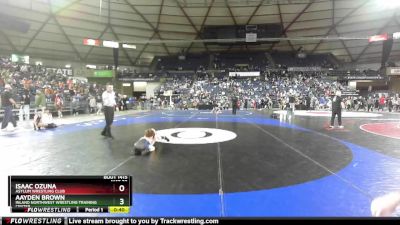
(25,104)
(92,104)
(99,104)
(59,102)
(40,100)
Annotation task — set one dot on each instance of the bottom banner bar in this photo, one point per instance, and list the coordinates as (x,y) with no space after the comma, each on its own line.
(140,221)
(186,221)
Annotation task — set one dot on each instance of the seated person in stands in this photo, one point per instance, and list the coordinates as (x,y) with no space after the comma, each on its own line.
(225,105)
(146,143)
(216,108)
(43,120)
(185,105)
(195,104)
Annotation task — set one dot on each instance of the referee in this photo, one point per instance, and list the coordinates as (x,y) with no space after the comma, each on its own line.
(109,106)
(337,106)
(234,104)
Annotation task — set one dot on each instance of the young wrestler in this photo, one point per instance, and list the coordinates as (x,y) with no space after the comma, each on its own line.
(146,143)
(43,120)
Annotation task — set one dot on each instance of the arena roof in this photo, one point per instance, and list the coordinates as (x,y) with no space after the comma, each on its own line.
(57,27)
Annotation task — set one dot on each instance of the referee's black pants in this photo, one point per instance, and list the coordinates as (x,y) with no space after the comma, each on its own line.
(109,116)
(8,117)
(339,115)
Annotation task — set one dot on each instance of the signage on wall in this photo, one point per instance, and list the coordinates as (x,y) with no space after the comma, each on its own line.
(363,78)
(110,44)
(103,73)
(20,58)
(63,71)
(305,69)
(251,37)
(91,42)
(396,35)
(381,37)
(133,79)
(393,71)
(244,74)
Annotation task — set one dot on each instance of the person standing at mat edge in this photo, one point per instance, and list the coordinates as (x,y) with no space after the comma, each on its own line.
(234,104)
(109,104)
(7,104)
(337,106)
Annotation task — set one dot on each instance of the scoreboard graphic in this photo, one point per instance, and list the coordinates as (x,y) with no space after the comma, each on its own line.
(70,194)
(78,194)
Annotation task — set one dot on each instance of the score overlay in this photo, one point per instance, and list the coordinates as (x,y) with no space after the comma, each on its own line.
(70,194)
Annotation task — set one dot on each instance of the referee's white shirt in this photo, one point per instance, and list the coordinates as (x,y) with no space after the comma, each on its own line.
(108,99)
